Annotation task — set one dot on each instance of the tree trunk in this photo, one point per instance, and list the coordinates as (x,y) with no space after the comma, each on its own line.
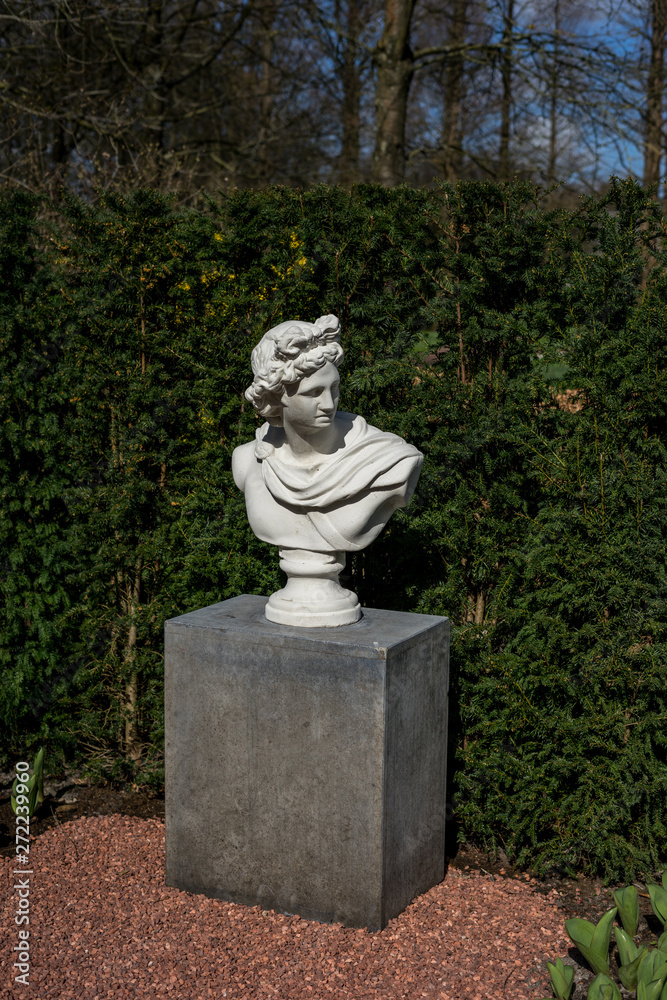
(553,99)
(654,98)
(132,598)
(394,62)
(506,60)
(452,136)
(155,101)
(266,97)
(480,607)
(348,167)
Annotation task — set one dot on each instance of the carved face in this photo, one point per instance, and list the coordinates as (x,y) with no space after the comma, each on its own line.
(310,405)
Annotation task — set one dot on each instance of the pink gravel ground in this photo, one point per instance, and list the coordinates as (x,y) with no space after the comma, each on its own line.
(104,925)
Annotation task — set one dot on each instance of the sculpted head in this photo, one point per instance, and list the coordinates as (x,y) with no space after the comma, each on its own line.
(285,356)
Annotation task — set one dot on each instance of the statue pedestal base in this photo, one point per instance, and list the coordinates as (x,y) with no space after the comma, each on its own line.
(305,768)
(313,597)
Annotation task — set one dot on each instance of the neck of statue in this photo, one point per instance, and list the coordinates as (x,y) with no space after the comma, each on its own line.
(312,447)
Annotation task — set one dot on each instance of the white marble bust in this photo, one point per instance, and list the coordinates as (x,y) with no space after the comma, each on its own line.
(317,483)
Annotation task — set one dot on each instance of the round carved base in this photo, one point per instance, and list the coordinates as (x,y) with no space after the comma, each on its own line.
(286,613)
(312,596)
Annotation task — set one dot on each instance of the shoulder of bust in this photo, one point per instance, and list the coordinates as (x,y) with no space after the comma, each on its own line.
(351,424)
(242,459)
(366,434)
(362,428)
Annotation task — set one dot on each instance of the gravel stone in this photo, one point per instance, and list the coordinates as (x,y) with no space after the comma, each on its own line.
(103,924)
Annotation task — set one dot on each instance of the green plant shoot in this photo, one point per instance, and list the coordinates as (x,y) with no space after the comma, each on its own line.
(35,785)
(630,956)
(562,978)
(627,901)
(658,896)
(603,988)
(652,976)
(593,940)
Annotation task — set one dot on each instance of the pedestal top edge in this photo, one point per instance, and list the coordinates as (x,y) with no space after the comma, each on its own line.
(378,630)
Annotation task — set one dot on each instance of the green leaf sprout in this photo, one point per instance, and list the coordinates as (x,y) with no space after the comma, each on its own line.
(627,901)
(593,940)
(35,786)
(562,978)
(603,988)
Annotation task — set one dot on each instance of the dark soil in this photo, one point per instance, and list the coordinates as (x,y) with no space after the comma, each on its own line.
(69,798)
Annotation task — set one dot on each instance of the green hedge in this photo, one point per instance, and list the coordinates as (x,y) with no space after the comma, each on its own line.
(522,350)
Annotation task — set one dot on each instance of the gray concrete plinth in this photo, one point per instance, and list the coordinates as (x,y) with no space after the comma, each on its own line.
(305,768)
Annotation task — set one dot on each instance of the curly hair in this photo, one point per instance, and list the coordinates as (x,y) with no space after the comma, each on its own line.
(286,354)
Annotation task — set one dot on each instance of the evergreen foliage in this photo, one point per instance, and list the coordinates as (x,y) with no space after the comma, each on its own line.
(522,351)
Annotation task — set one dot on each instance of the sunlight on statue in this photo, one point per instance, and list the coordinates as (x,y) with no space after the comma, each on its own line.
(317,483)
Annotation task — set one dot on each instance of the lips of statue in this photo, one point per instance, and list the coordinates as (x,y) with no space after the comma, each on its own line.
(310,405)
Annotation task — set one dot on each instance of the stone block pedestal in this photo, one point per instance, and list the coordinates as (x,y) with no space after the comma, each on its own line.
(305,768)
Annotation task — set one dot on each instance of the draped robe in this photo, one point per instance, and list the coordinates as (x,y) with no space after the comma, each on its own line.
(338,505)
